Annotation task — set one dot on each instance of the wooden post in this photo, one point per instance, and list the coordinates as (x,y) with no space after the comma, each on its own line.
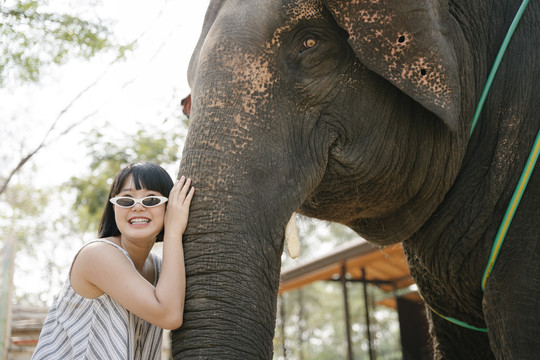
(347,318)
(282,325)
(368,326)
(301,323)
(7,257)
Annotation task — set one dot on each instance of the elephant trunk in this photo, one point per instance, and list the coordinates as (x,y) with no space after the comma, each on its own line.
(232,266)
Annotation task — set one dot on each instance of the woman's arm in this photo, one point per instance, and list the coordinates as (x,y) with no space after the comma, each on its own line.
(171,286)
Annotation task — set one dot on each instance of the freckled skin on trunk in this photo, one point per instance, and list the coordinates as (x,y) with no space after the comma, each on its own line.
(359,113)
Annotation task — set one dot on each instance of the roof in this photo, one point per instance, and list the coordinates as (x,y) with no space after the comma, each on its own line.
(384,264)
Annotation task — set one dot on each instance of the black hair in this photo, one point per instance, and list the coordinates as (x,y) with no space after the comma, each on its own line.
(146,175)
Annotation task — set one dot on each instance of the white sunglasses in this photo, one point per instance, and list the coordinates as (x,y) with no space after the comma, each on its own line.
(149,201)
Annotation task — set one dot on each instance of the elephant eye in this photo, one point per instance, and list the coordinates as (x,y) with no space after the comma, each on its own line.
(308,44)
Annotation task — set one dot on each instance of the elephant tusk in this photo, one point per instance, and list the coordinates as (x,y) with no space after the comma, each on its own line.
(291,237)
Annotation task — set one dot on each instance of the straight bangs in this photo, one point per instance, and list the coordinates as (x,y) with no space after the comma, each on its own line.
(152,177)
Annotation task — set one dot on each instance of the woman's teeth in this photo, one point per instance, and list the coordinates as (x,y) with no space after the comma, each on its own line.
(138,221)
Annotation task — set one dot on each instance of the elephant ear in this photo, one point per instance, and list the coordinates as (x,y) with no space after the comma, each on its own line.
(405,42)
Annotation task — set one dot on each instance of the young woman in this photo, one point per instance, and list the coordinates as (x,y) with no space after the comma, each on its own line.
(119,295)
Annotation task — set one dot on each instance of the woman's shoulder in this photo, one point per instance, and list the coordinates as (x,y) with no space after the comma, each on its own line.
(95,260)
(102,251)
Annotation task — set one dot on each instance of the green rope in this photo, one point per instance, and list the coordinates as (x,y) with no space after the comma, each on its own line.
(496,64)
(463,324)
(533,157)
(452,320)
(522,184)
(514,202)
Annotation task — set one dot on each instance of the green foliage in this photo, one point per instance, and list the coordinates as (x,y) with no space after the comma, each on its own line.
(21,210)
(314,321)
(33,38)
(108,157)
(29,215)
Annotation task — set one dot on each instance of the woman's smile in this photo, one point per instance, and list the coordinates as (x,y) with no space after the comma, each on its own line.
(139,220)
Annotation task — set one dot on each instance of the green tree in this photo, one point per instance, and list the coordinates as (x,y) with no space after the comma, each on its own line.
(34,37)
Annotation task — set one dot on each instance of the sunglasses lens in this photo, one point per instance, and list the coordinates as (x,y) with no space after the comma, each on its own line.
(151,201)
(126,202)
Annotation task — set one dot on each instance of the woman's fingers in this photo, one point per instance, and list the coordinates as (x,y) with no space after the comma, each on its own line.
(189,196)
(185,187)
(181,190)
(173,194)
(175,191)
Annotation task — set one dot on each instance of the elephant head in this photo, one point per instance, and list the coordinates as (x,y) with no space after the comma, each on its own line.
(356,112)
(315,96)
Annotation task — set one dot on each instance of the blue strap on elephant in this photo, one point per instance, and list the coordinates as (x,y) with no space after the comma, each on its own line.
(524,179)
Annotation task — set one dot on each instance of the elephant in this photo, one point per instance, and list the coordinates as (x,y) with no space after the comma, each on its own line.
(360,112)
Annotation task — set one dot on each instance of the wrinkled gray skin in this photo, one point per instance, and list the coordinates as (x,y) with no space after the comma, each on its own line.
(359,112)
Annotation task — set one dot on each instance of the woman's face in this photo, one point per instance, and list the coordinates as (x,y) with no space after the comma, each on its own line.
(139,222)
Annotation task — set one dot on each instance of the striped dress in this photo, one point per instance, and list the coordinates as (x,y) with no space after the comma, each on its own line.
(97,329)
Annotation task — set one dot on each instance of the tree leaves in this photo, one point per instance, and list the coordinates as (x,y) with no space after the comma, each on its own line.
(34,38)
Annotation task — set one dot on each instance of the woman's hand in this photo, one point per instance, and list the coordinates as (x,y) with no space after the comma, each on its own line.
(177,213)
